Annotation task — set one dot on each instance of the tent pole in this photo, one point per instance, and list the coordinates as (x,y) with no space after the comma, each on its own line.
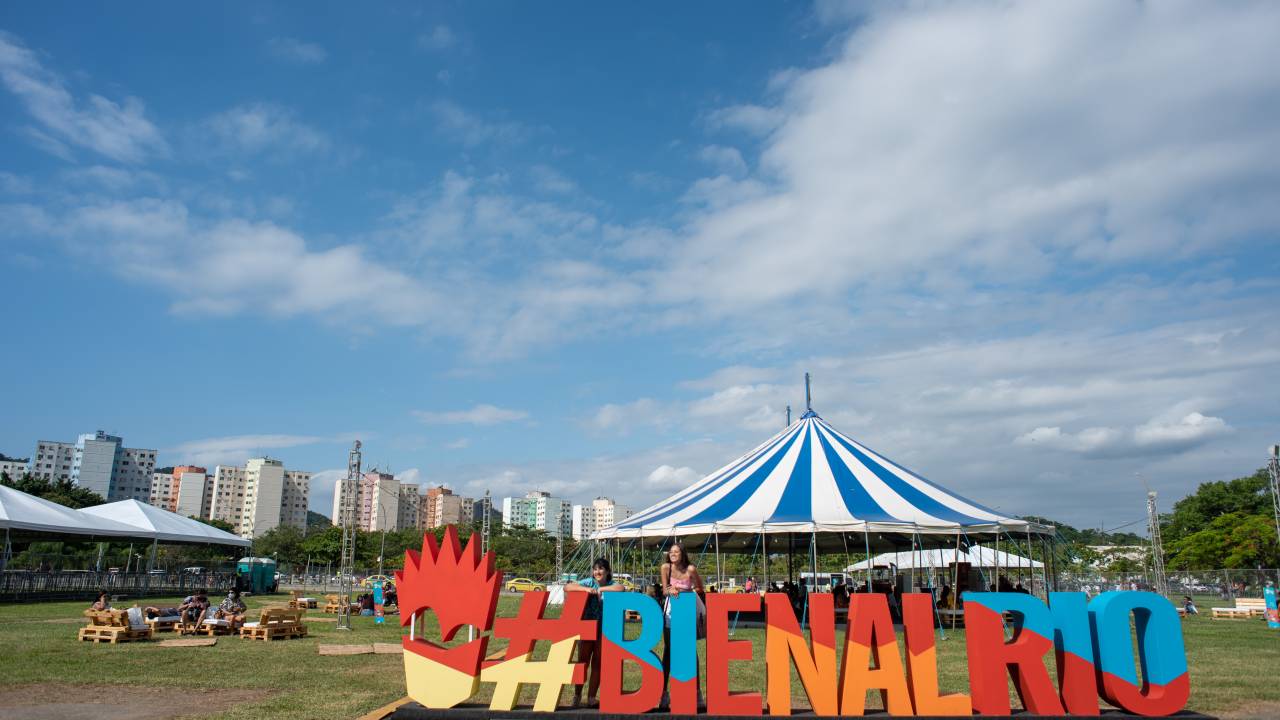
(719,573)
(997,560)
(4,558)
(866,540)
(791,551)
(764,559)
(955,582)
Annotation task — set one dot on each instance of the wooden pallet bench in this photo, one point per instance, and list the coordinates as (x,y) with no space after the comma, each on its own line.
(296,601)
(164,624)
(275,624)
(1244,608)
(111,626)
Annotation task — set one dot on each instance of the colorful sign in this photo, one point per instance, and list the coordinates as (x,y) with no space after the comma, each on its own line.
(1090,642)
(1273,614)
(379,617)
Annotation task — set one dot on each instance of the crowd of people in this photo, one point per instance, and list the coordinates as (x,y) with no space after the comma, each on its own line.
(193,610)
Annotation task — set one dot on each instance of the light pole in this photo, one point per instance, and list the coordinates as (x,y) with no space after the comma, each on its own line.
(1273,468)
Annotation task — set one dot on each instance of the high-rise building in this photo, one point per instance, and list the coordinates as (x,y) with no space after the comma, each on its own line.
(600,514)
(540,511)
(259,496)
(381,502)
(98,462)
(53,460)
(410,514)
(186,490)
(15,468)
(443,507)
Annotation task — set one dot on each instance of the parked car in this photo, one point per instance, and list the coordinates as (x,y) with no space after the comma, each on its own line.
(726,589)
(194,571)
(524,585)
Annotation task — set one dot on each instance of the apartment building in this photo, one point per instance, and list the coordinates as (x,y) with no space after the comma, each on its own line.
(411,508)
(541,511)
(186,490)
(601,513)
(379,502)
(98,462)
(259,496)
(443,507)
(13,467)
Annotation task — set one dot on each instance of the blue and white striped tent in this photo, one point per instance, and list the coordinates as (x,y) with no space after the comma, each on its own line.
(811,478)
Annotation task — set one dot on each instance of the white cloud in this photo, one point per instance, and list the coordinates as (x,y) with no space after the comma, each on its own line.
(459,444)
(667,479)
(120,131)
(472,130)
(482,414)
(963,145)
(753,119)
(724,159)
(263,127)
(236,449)
(296,51)
(438,38)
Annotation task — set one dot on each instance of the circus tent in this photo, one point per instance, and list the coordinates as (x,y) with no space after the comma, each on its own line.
(811,479)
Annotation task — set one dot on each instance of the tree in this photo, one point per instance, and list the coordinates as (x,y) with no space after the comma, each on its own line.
(63,492)
(316,521)
(1243,496)
(282,542)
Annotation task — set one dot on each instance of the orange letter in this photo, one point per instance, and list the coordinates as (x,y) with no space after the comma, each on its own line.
(869,635)
(784,641)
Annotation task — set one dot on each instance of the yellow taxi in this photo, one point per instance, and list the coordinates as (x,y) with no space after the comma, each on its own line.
(523,585)
(369,581)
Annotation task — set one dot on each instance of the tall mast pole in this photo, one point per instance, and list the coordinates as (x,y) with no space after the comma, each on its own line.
(346,564)
(1273,467)
(808,404)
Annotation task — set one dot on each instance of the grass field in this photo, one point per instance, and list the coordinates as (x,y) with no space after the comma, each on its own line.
(41,662)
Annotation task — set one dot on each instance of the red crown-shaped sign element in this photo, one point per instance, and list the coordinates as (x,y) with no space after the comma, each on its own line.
(460,586)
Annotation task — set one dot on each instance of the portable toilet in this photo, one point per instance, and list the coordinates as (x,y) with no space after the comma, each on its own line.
(256,575)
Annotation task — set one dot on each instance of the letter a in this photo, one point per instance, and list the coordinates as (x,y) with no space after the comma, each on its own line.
(869,635)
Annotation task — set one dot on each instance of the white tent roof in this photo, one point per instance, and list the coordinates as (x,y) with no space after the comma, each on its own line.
(940,558)
(150,521)
(21,511)
(812,478)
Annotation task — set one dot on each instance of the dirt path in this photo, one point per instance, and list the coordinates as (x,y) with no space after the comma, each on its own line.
(115,702)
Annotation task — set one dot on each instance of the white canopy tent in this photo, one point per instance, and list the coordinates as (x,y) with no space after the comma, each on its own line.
(21,511)
(978,556)
(162,525)
(27,514)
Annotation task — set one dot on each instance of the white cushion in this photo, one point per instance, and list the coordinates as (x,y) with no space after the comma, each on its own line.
(250,624)
(217,621)
(166,619)
(136,621)
(306,600)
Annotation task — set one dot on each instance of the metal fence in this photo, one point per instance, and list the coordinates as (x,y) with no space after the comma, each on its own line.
(26,585)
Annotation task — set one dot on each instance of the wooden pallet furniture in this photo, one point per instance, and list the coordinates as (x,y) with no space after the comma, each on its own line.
(275,623)
(208,627)
(171,623)
(332,603)
(112,626)
(298,602)
(1244,608)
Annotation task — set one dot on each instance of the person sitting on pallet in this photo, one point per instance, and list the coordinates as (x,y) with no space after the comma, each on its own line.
(152,612)
(231,609)
(102,603)
(193,607)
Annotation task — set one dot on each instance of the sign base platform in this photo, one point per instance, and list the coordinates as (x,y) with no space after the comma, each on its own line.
(414,711)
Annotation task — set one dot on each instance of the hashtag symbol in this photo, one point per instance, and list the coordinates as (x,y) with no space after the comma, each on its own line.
(516,668)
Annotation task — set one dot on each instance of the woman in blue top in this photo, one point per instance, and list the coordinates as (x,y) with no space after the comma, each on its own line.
(601,581)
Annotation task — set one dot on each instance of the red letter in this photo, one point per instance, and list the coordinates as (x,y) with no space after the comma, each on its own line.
(720,650)
(922,660)
(990,655)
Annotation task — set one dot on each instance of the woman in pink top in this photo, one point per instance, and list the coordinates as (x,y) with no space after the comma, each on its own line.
(678,575)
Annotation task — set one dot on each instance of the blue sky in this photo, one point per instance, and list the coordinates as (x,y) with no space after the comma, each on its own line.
(1027,250)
